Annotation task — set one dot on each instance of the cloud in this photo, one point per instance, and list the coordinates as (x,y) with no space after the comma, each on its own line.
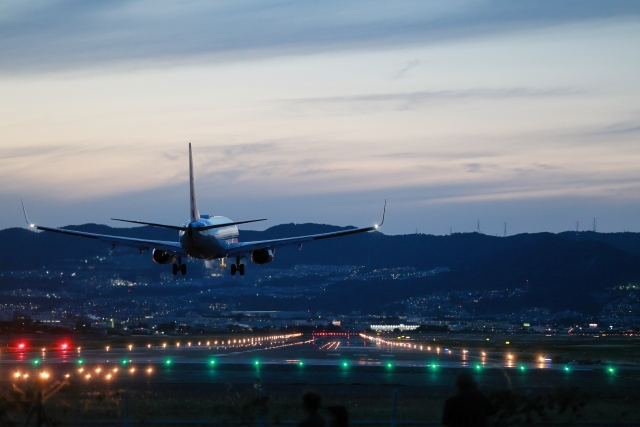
(410,65)
(64,35)
(416,100)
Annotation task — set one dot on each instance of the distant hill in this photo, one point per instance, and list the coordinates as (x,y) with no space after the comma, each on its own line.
(557,270)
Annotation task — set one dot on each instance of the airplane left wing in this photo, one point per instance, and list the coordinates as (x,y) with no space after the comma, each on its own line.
(140,244)
(243,248)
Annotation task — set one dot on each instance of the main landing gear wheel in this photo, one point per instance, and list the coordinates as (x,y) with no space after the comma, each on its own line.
(241,269)
(175,269)
(234,268)
(183,269)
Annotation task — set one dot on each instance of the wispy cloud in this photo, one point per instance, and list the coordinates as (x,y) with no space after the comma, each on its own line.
(63,35)
(407,67)
(416,100)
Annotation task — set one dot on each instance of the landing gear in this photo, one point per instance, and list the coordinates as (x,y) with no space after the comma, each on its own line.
(237,267)
(179,266)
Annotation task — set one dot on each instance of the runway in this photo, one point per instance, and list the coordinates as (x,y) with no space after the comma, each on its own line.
(300,361)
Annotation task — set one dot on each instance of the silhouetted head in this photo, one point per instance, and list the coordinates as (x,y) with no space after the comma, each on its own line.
(311,401)
(338,416)
(465,382)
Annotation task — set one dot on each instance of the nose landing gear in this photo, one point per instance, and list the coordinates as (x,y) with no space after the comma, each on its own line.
(179,266)
(237,267)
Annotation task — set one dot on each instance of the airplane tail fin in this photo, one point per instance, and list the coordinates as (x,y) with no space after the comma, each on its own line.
(195,214)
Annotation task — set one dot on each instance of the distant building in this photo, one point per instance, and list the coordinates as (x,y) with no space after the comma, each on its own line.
(390,328)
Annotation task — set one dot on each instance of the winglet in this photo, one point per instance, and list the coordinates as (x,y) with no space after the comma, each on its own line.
(384,211)
(195,214)
(24,211)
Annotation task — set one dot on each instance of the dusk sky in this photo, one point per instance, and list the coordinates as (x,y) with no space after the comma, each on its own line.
(520,112)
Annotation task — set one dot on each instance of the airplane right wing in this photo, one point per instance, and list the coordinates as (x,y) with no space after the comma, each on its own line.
(243,248)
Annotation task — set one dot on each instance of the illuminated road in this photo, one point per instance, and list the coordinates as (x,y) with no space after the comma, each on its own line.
(300,361)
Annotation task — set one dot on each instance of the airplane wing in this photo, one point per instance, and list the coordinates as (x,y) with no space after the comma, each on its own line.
(242,248)
(141,244)
(237,249)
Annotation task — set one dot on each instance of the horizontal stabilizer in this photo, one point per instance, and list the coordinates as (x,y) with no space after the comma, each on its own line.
(173,227)
(181,228)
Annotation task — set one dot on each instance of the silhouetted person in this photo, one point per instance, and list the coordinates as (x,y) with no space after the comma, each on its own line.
(469,408)
(338,416)
(311,405)
(38,408)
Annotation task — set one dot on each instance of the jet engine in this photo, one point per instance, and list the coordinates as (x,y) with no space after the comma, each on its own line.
(163,257)
(262,256)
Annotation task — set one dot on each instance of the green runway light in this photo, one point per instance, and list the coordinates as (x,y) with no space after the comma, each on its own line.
(434,366)
(478,367)
(522,368)
(611,370)
(213,362)
(345,364)
(300,363)
(124,362)
(389,365)
(256,363)
(566,368)
(80,362)
(35,362)
(168,362)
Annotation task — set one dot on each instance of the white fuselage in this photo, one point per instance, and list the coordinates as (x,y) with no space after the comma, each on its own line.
(208,244)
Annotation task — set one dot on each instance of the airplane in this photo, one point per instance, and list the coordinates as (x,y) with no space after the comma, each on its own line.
(205,237)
